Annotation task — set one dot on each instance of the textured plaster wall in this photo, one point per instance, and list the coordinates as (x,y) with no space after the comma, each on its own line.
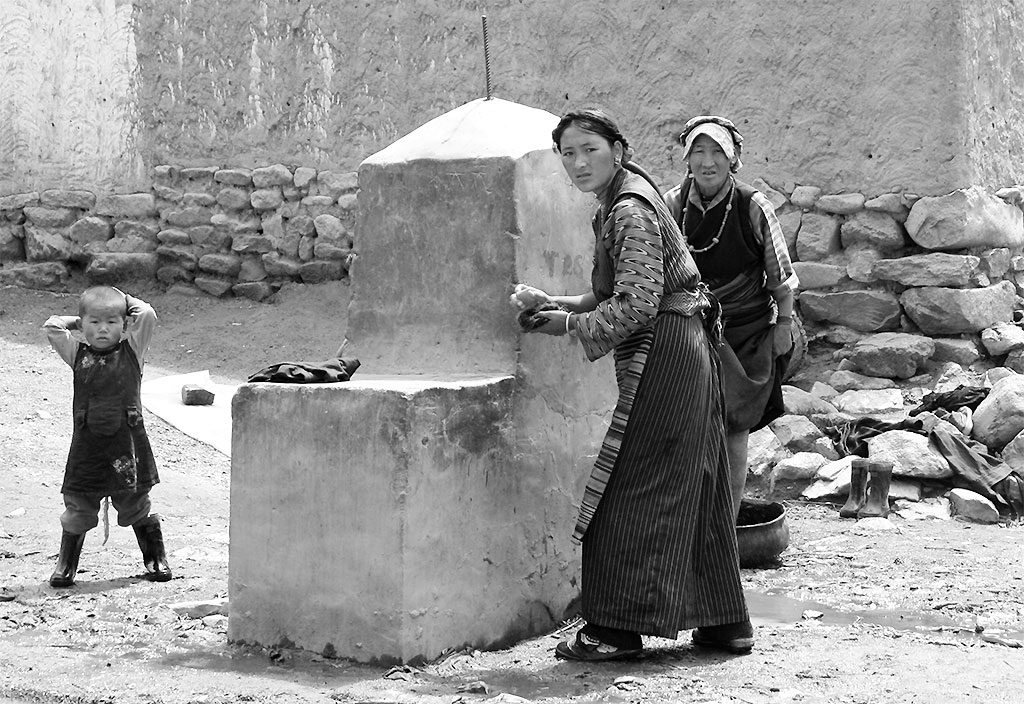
(871,96)
(994,67)
(67,108)
(862,95)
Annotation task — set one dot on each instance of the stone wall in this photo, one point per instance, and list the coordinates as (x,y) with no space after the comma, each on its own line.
(948,267)
(217,230)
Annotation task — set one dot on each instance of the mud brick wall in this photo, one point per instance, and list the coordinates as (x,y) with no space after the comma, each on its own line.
(223,231)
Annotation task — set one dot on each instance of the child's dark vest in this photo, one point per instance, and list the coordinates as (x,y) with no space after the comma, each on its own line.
(110,451)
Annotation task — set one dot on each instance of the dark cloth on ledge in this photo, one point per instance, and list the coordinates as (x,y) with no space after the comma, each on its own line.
(332,370)
(961,396)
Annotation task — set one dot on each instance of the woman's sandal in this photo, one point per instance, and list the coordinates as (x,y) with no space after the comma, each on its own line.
(586,649)
(737,639)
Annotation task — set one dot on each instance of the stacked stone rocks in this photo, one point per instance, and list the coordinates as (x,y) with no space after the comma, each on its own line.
(221,231)
(946,268)
(908,295)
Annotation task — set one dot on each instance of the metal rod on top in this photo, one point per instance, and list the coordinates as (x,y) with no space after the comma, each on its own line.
(487,57)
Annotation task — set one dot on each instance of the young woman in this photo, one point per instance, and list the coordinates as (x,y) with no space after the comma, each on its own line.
(737,244)
(656,521)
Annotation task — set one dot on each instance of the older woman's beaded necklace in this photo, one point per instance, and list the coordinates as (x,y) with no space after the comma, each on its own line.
(721,228)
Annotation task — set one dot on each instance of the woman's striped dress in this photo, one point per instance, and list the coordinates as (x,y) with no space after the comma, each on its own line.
(656,520)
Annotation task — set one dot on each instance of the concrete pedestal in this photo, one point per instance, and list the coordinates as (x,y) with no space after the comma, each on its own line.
(429,502)
(394,523)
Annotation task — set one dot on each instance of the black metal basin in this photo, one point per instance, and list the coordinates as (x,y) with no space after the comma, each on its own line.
(761,532)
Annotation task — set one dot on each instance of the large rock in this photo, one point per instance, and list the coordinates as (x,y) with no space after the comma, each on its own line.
(18,200)
(763,450)
(112,267)
(863,403)
(796,433)
(134,205)
(867,311)
(935,269)
(818,237)
(805,196)
(130,244)
(939,311)
(969,506)
(51,217)
(277,265)
(223,264)
(996,262)
(12,242)
(893,355)
(1013,452)
(47,243)
(1002,338)
(891,203)
(91,229)
(905,489)
(832,480)
(845,380)
(1000,417)
(818,275)
(47,275)
(910,453)
(860,261)
(794,473)
(951,349)
(841,203)
(876,229)
(969,217)
(799,402)
(269,176)
(951,375)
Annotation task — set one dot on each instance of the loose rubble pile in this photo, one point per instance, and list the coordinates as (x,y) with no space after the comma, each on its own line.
(954,436)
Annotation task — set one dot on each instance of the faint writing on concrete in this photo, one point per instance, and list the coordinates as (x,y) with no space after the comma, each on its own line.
(561,264)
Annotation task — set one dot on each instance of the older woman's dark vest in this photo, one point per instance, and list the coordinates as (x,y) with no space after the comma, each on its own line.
(737,250)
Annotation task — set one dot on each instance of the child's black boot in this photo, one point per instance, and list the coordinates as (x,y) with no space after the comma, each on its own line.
(67,559)
(151,542)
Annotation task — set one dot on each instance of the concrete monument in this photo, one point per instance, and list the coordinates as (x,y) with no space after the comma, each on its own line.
(428,503)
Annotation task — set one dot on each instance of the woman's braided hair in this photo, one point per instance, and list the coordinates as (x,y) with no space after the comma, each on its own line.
(600,123)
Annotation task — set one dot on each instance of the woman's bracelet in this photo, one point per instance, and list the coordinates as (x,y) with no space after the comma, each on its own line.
(567,331)
(784,318)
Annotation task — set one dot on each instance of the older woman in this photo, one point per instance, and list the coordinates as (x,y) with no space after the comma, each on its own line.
(735,239)
(656,523)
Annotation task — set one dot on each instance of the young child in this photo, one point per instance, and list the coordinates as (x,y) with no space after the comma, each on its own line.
(110,453)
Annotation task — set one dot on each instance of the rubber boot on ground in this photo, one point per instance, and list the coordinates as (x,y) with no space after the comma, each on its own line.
(858,488)
(877,502)
(67,559)
(151,542)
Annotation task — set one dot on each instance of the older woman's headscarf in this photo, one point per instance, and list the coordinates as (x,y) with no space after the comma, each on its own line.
(721,130)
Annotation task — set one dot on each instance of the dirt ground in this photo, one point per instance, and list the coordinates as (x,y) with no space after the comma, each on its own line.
(926,612)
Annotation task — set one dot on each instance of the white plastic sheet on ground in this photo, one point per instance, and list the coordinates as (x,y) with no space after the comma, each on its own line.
(209,424)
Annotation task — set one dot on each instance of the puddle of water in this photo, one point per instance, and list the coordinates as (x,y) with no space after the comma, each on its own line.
(775,608)
(530,685)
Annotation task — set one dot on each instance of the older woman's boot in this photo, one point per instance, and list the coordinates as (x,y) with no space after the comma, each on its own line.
(151,542)
(858,488)
(67,559)
(877,502)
